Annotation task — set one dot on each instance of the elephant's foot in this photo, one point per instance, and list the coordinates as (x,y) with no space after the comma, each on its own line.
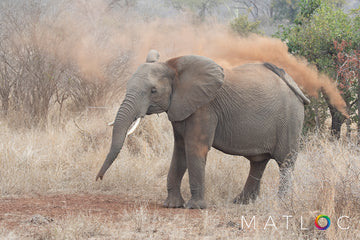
(174,202)
(196,204)
(245,198)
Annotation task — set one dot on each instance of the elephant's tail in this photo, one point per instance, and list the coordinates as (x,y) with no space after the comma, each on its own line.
(289,81)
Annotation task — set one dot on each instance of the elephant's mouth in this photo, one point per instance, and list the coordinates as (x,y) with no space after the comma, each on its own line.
(154,109)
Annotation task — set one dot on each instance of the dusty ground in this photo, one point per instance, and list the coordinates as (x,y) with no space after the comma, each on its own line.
(102,216)
(34,214)
(19,210)
(14,211)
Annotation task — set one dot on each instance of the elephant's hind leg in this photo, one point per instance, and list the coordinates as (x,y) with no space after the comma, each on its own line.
(176,173)
(252,185)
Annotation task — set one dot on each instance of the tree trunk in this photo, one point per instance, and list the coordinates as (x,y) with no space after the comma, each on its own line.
(317,118)
(337,119)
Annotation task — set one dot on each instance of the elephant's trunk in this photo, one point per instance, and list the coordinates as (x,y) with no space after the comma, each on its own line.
(126,114)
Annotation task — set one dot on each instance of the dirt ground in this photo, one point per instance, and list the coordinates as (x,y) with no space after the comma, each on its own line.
(31,211)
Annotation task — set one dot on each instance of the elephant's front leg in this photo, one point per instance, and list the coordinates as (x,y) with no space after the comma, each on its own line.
(176,173)
(199,137)
(196,159)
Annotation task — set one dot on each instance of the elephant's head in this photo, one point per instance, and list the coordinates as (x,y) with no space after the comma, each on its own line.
(179,87)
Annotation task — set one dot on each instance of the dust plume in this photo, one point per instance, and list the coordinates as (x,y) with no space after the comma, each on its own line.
(228,50)
(93,36)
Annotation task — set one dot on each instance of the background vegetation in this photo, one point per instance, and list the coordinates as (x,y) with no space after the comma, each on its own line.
(328,37)
(40,84)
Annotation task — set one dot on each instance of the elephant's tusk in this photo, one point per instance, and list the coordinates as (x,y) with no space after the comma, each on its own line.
(133,127)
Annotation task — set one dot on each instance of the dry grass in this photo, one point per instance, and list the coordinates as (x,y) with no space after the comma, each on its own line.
(66,161)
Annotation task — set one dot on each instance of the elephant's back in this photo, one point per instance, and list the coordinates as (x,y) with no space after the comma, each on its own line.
(257,82)
(254,76)
(257,87)
(253,105)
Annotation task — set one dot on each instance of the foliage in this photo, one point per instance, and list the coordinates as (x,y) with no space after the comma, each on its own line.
(313,37)
(318,31)
(307,8)
(347,66)
(348,74)
(243,26)
(291,9)
(355,13)
(201,7)
(285,9)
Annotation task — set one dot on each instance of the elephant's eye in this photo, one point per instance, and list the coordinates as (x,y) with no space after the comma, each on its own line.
(153,90)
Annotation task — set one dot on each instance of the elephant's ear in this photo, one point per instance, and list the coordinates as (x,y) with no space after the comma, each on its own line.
(198,79)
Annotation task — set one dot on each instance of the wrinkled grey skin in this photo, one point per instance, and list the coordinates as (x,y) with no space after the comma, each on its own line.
(254,110)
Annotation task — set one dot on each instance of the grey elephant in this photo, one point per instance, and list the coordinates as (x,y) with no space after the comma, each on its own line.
(253,110)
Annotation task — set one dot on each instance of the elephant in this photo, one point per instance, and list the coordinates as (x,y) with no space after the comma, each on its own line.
(254,110)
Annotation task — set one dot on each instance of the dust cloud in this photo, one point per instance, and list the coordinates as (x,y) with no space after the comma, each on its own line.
(92,36)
